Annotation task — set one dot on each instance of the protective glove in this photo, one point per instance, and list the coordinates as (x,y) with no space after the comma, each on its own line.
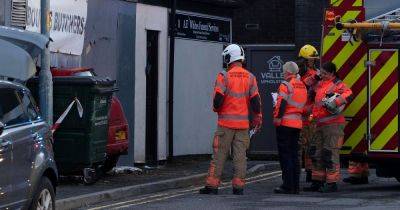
(277,122)
(257,122)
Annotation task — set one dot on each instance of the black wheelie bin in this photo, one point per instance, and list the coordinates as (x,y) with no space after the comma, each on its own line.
(80,143)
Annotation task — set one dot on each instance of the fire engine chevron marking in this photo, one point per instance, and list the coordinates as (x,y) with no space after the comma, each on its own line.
(355,60)
(357,88)
(358,3)
(361,83)
(346,52)
(377,81)
(356,72)
(386,135)
(378,112)
(393,142)
(336,3)
(347,3)
(384,105)
(362,114)
(330,40)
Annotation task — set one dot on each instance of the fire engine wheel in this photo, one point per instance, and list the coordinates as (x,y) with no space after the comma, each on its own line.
(110,163)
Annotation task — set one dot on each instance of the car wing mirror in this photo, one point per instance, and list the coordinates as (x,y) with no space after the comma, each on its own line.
(1,127)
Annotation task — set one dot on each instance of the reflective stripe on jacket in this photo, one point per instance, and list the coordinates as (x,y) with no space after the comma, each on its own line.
(324,88)
(238,86)
(294,93)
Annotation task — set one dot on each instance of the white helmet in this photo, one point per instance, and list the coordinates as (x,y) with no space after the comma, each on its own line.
(330,105)
(233,53)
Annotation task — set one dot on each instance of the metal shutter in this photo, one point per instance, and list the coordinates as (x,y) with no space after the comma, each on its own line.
(18,13)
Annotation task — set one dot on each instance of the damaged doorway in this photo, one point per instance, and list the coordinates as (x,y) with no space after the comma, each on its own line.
(152,97)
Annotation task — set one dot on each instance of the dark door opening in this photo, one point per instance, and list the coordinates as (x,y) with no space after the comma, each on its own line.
(151,98)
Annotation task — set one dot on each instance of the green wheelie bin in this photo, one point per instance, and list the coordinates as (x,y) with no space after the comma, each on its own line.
(80,143)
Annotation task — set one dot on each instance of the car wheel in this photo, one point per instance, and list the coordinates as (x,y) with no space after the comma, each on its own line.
(44,197)
(110,163)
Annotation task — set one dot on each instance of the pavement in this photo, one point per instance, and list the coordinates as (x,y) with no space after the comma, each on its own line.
(179,173)
(380,193)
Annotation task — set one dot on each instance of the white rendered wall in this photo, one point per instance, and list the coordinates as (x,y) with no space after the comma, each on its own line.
(197,64)
(150,18)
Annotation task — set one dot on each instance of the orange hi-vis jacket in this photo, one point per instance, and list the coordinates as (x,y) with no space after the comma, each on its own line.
(238,86)
(324,88)
(294,93)
(309,80)
(309,77)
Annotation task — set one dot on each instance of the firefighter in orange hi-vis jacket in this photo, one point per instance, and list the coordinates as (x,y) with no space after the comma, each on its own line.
(292,96)
(235,93)
(330,99)
(307,59)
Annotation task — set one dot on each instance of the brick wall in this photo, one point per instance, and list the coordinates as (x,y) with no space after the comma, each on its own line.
(308,21)
(275,19)
(278,21)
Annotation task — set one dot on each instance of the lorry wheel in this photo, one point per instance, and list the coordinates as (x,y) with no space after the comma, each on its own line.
(44,197)
(110,163)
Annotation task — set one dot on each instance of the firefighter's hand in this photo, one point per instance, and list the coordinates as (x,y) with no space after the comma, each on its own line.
(257,122)
(277,121)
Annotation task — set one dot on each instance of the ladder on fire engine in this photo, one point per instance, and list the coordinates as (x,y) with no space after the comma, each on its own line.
(392,16)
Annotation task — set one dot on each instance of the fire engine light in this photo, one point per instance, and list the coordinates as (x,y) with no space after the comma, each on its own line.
(329,15)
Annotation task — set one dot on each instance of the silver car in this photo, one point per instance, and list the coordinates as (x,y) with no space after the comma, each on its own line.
(28,173)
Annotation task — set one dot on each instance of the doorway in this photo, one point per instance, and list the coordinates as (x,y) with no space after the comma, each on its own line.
(152,98)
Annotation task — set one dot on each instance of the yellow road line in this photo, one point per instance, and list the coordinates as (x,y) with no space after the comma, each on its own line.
(163,195)
(194,191)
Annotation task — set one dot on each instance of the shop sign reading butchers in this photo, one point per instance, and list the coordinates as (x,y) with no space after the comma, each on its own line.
(203,28)
(68,21)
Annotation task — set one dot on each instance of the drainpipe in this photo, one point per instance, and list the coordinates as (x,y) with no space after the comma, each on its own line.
(171,80)
(45,78)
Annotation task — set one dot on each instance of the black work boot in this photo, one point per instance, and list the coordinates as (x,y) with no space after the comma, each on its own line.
(308,176)
(237,191)
(356,180)
(208,190)
(315,185)
(328,188)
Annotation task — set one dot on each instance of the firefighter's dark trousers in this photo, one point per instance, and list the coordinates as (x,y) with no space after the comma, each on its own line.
(288,147)
(226,139)
(305,139)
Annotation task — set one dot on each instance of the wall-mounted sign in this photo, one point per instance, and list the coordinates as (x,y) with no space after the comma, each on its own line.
(203,28)
(266,62)
(67,24)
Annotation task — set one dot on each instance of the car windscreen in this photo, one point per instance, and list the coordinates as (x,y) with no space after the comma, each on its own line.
(11,107)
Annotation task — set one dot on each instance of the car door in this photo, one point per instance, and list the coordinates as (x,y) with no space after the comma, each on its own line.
(18,131)
(5,168)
